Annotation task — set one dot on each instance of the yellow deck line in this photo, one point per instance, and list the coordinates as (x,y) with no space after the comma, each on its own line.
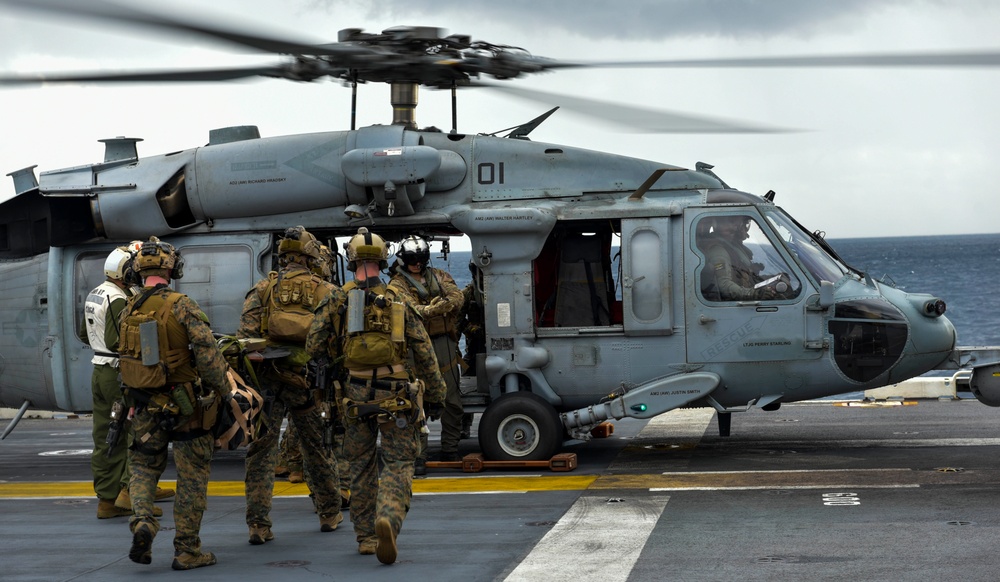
(519,483)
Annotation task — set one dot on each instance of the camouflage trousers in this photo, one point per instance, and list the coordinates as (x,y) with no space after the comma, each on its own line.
(193,461)
(373,496)
(319,465)
(110,472)
(290,454)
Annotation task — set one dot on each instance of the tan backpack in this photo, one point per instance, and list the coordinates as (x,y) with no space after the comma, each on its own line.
(288,303)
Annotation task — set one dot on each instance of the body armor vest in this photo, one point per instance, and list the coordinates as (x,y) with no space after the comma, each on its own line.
(173,365)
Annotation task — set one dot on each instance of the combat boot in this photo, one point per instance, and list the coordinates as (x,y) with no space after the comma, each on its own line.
(124,503)
(186,561)
(296,476)
(163,493)
(107,509)
(367,547)
(386,549)
(330,522)
(141,551)
(419,467)
(280,471)
(260,534)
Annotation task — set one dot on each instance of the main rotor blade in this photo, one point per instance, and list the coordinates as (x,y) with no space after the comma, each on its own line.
(141,76)
(103,10)
(936,59)
(639,119)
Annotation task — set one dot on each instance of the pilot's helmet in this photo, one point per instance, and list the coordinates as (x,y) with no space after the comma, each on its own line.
(156,257)
(117,264)
(738,221)
(366,246)
(414,250)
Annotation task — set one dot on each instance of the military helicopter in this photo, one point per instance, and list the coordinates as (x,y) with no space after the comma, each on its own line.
(605,296)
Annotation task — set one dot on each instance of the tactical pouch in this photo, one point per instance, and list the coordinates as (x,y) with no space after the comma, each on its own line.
(290,303)
(368,350)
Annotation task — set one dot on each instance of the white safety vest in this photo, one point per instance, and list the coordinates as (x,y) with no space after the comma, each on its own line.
(97,312)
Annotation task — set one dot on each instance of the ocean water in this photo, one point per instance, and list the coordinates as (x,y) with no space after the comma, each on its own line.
(963,270)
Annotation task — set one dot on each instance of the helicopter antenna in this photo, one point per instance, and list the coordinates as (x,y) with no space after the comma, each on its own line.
(454,108)
(354,103)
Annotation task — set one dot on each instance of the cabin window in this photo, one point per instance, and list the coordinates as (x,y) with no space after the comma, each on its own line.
(574,277)
(88,273)
(741,263)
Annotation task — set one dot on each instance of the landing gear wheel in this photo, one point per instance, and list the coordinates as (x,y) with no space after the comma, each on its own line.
(520,427)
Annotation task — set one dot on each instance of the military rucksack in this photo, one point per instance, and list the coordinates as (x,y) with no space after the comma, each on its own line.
(288,306)
(145,357)
(375,333)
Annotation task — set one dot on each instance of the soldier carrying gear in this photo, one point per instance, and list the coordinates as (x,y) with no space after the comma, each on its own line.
(438,300)
(195,381)
(384,348)
(280,308)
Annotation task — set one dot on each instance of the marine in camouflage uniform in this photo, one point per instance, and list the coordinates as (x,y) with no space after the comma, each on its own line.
(158,421)
(292,395)
(379,503)
(438,300)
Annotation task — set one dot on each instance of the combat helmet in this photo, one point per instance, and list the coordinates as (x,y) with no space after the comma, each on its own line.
(413,250)
(366,246)
(300,246)
(156,257)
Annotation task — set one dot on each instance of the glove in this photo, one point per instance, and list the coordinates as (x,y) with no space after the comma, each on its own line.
(438,306)
(433,410)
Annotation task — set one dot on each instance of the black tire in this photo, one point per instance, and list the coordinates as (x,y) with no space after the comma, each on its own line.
(520,427)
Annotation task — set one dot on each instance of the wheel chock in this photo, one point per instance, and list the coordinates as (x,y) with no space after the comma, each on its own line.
(475,462)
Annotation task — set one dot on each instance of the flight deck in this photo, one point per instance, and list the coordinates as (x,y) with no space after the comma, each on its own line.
(819,490)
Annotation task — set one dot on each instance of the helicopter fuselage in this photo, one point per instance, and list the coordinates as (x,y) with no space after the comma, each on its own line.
(597,268)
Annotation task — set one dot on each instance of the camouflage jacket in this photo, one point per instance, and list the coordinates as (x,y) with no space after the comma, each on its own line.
(437,284)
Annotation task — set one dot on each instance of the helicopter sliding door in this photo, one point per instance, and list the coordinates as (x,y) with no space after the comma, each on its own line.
(218,272)
(647,281)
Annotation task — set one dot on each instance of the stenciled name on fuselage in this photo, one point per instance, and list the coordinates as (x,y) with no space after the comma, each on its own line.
(511,217)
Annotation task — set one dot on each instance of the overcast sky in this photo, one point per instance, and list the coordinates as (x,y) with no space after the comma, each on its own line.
(886,152)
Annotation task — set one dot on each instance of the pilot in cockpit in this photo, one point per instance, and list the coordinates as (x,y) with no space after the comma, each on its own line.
(730,273)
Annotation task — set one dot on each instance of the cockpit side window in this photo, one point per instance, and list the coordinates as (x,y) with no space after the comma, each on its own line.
(741,263)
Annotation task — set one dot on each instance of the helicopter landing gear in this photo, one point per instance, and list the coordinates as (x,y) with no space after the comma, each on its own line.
(520,426)
(725,422)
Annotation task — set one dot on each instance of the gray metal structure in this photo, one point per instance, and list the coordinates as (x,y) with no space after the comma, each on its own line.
(596,273)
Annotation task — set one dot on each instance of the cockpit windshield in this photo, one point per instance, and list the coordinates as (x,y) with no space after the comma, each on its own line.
(806,249)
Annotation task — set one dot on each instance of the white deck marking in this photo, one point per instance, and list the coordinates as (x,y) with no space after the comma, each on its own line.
(594,540)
